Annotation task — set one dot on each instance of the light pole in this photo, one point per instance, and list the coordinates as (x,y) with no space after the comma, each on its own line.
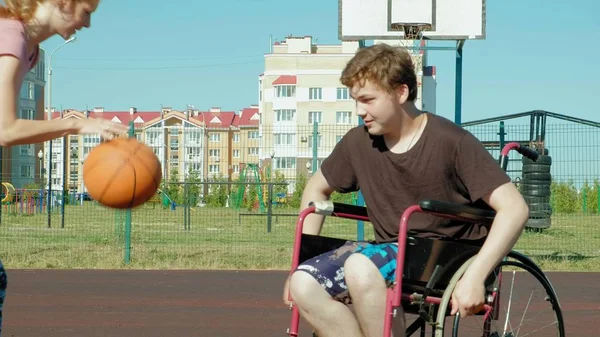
(49,166)
(41,158)
(272,165)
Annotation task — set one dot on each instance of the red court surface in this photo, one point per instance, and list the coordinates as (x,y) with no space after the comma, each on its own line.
(90,303)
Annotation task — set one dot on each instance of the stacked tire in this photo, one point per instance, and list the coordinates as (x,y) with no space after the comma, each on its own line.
(535,188)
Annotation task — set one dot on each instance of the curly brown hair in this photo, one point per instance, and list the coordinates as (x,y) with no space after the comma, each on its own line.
(386,66)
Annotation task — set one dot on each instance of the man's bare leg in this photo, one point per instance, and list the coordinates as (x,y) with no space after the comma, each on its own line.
(328,317)
(368,291)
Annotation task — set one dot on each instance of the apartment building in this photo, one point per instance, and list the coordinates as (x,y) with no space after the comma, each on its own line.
(22,165)
(300,86)
(207,144)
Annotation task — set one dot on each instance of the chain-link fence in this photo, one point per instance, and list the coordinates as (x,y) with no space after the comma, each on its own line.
(240,210)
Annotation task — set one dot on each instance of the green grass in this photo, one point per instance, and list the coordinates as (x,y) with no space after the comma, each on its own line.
(93,239)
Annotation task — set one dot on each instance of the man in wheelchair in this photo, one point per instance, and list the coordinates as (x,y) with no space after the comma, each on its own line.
(399,157)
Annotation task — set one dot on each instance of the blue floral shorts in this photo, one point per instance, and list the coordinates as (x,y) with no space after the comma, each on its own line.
(328,268)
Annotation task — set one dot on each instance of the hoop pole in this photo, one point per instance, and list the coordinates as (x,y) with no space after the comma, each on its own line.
(360,201)
(458,83)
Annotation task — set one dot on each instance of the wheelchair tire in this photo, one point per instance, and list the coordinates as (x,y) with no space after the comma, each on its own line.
(523,263)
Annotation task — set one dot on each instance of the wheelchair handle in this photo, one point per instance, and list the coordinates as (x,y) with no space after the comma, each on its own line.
(523,150)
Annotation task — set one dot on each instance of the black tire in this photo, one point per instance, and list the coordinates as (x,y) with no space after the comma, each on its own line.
(528,168)
(540,160)
(535,191)
(540,207)
(539,223)
(531,200)
(539,215)
(535,183)
(536,176)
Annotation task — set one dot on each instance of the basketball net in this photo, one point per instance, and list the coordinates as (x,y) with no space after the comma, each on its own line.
(412,32)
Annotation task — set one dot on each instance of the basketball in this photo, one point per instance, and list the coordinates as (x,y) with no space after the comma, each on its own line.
(122,173)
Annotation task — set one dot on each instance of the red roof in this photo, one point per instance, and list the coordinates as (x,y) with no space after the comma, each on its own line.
(245,119)
(285,79)
(220,119)
(213,119)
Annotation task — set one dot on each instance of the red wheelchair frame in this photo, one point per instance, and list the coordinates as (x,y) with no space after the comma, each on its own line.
(395,295)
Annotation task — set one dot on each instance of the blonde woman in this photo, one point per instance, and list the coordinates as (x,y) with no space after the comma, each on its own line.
(24,24)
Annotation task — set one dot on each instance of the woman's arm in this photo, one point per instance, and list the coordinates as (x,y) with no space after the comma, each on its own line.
(15,131)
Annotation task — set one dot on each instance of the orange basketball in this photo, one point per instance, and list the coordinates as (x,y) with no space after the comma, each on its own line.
(122,173)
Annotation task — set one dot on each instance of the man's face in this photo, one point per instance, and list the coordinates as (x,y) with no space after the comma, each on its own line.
(377,107)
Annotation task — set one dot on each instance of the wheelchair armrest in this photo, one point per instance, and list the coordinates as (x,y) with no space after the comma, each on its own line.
(453,209)
(328,207)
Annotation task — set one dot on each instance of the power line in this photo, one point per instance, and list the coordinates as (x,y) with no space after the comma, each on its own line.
(160,67)
(156,58)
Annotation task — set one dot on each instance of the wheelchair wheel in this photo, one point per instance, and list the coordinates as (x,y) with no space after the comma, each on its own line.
(523,303)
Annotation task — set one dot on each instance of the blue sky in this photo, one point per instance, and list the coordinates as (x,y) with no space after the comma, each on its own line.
(209,53)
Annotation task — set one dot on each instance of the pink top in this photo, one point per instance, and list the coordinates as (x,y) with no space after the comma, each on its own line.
(13,41)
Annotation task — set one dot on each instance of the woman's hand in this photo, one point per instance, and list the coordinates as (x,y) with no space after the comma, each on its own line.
(106,129)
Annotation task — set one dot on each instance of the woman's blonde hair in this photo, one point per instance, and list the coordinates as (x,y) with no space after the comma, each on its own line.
(23,10)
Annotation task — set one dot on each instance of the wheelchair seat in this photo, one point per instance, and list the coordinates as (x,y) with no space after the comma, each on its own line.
(429,263)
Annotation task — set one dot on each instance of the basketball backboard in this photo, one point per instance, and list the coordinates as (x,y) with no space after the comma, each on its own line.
(384,19)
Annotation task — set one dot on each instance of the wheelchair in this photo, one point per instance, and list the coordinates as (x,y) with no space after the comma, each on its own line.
(431,268)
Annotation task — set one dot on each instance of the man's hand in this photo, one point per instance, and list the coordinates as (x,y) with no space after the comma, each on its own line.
(468,297)
(511,214)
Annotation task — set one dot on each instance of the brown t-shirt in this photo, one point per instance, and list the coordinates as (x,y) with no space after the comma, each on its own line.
(447,163)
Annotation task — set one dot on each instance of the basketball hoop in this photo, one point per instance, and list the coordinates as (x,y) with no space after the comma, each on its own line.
(412,31)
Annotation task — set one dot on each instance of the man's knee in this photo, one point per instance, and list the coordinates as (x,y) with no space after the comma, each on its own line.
(304,287)
(362,274)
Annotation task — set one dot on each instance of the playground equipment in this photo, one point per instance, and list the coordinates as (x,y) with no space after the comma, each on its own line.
(22,201)
(9,192)
(250,174)
(165,199)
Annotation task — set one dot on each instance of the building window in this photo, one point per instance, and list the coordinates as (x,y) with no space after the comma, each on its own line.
(193,136)
(284,138)
(27,114)
(27,150)
(285,163)
(213,169)
(310,141)
(314,116)
(214,137)
(214,153)
(27,171)
(343,94)
(315,94)
(285,91)
(253,135)
(253,151)
(285,115)
(343,117)
(196,167)
(27,90)
(236,153)
(236,137)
